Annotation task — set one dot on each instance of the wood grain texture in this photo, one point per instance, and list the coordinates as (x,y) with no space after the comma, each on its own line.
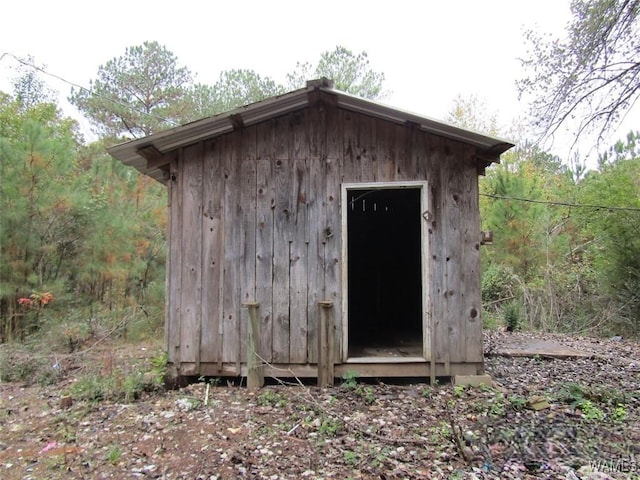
(452,251)
(265,206)
(386,151)
(232,249)
(255,375)
(366,146)
(299,255)
(247,217)
(281,231)
(212,248)
(316,207)
(332,235)
(471,313)
(174,285)
(437,260)
(191,263)
(351,171)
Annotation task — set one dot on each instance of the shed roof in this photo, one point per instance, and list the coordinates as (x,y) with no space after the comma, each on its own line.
(142,152)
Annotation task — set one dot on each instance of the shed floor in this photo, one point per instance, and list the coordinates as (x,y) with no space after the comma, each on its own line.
(402,348)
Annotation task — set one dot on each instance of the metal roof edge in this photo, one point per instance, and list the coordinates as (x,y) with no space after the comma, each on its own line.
(431,125)
(209,127)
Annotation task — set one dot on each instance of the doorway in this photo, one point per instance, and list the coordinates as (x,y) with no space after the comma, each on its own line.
(384,258)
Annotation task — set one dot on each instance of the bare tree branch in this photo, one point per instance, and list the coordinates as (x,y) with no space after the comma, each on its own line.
(593,76)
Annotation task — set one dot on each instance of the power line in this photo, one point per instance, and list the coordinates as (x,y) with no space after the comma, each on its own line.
(95,94)
(562,204)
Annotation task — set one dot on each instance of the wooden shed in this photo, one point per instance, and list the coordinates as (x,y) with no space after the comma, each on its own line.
(346,229)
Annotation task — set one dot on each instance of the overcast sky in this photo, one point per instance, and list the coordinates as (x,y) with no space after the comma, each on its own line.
(429,51)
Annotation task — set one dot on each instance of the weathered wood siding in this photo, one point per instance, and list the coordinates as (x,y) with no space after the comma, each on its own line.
(255,216)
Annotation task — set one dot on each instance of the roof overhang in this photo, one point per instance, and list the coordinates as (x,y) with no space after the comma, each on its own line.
(148,154)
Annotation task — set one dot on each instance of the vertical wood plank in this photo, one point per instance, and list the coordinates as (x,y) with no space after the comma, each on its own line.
(190,326)
(350,168)
(282,173)
(331,139)
(299,246)
(413,142)
(248,191)
(366,151)
(420,146)
(326,346)
(167,269)
(437,256)
(265,206)
(255,376)
(315,232)
(332,238)
(385,151)
(426,150)
(174,285)
(454,296)
(232,249)
(402,171)
(351,173)
(471,280)
(212,253)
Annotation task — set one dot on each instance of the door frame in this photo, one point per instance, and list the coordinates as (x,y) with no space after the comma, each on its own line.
(423,186)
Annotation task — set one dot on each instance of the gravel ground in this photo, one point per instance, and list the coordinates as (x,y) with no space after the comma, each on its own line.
(575,418)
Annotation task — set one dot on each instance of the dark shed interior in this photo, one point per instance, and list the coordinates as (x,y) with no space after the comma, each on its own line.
(385,274)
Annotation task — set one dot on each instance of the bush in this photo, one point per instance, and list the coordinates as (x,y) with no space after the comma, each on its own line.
(497,283)
(512,316)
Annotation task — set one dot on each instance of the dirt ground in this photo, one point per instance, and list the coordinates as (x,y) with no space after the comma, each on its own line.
(572,417)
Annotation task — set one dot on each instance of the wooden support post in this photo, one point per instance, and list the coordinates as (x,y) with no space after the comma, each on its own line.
(325,344)
(255,374)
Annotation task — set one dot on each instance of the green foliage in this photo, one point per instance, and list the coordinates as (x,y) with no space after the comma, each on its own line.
(614,235)
(524,232)
(627,149)
(114,453)
(240,87)
(529,265)
(62,200)
(571,392)
(619,413)
(499,287)
(512,316)
(158,370)
(366,393)
(330,427)
(472,113)
(498,283)
(517,402)
(116,386)
(458,390)
(351,458)
(350,379)
(29,89)
(43,216)
(566,268)
(28,368)
(588,398)
(497,406)
(270,398)
(136,94)
(350,73)
(145,90)
(590,410)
